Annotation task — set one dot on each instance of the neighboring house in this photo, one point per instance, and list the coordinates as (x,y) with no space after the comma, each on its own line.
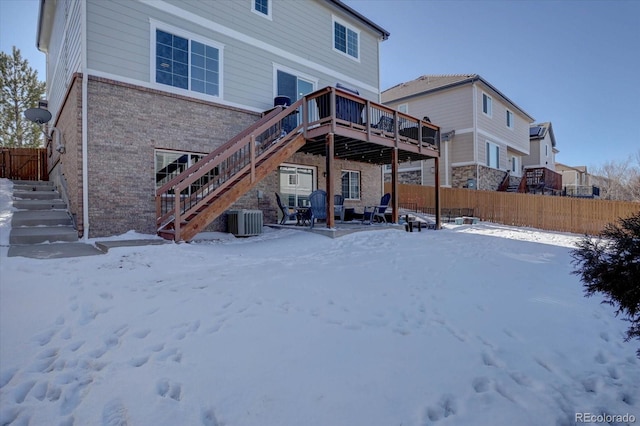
(543,147)
(140,90)
(577,182)
(484,134)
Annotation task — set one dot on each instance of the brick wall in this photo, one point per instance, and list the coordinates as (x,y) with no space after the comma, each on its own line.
(127,123)
(68,166)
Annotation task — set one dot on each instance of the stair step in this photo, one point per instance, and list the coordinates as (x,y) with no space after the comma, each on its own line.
(36,186)
(39,183)
(41,217)
(41,234)
(39,204)
(36,195)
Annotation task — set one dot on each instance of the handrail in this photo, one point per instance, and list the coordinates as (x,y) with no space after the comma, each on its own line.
(215,152)
(185,194)
(504,185)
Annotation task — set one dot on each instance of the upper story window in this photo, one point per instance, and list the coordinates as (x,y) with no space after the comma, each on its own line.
(187,64)
(346,39)
(486,104)
(262,7)
(403,108)
(509,119)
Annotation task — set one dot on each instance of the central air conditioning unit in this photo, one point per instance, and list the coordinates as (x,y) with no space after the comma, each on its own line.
(244,223)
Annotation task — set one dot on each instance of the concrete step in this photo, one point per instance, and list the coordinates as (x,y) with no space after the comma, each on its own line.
(40,218)
(39,204)
(30,184)
(41,234)
(36,195)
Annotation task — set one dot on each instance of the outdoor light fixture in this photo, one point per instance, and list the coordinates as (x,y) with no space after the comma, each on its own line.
(40,116)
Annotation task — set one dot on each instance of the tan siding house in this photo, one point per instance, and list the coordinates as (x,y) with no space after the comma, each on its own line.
(485,134)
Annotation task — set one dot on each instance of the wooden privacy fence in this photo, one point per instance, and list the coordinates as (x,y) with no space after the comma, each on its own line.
(564,214)
(24,163)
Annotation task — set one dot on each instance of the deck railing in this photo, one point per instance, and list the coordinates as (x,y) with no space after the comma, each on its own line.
(183,195)
(542,178)
(189,191)
(339,108)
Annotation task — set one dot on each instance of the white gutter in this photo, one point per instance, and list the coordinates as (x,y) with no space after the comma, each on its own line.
(85,86)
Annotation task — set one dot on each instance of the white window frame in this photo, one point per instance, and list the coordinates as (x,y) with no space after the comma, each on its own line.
(515,165)
(491,148)
(404,108)
(488,103)
(349,196)
(348,27)
(158,25)
(255,10)
(190,161)
(293,183)
(509,119)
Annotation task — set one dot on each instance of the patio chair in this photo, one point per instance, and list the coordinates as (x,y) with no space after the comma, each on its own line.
(373,212)
(287,213)
(385,124)
(338,207)
(318,209)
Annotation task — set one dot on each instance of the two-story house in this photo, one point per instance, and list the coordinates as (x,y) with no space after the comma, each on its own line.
(485,135)
(577,182)
(143,90)
(540,174)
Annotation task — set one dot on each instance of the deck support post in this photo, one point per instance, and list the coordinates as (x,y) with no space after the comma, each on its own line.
(437,191)
(394,185)
(329,180)
(252,152)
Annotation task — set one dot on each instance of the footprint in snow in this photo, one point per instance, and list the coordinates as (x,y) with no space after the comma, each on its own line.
(446,407)
(115,413)
(165,388)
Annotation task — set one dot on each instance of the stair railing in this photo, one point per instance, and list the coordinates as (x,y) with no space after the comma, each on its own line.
(190,191)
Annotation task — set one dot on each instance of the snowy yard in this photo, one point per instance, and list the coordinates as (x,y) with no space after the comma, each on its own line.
(472,325)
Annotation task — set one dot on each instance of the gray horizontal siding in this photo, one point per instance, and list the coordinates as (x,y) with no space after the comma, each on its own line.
(119,37)
(64,52)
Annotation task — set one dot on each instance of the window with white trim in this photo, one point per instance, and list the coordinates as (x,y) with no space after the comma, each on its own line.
(351,185)
(170,164)
(262,7)
(186,63)
(486,104)
(515,165)
(346,39)
(509,119)
(404,108)
(493,155)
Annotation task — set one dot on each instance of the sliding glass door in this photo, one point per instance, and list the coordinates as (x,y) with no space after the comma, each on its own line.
(296,183)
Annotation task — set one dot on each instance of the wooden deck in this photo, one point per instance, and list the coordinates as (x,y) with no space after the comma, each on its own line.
(330,122)
(365,131)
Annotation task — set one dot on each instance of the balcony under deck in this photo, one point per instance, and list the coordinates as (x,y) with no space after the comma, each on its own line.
(364,131)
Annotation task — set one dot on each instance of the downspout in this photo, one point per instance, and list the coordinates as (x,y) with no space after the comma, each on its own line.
(475,132)
(85,87)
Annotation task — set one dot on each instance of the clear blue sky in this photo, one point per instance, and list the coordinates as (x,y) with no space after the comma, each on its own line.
(574,63)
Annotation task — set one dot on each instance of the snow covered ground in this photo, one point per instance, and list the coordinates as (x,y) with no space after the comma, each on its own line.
(472,325)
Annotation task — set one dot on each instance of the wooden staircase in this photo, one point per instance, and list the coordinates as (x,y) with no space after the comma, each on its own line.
(191,200)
